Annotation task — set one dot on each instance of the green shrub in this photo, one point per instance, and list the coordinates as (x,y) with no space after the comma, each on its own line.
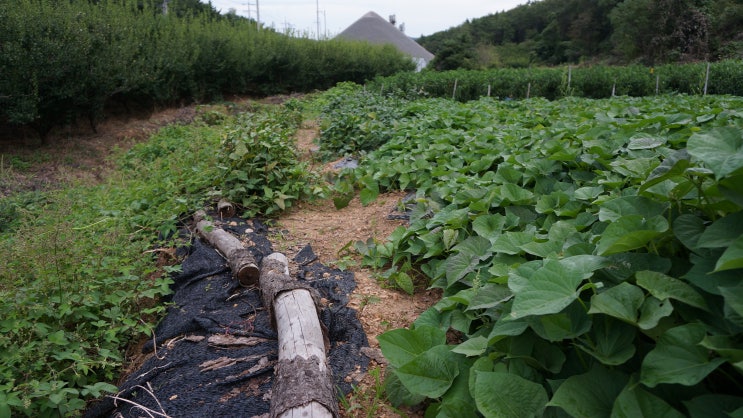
(259,168)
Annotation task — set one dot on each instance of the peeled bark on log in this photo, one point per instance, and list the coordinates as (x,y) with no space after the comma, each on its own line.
(303,385)
(226,209)
(241,261)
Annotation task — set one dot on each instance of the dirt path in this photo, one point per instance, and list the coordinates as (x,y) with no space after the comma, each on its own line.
(331,233)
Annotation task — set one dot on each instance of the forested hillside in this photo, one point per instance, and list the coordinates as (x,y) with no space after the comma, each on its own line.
(551,32)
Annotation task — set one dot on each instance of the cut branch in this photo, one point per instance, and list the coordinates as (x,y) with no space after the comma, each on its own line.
(241,261)
(303,384)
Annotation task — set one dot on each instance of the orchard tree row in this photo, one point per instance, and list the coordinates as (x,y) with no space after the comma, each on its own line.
(62,61)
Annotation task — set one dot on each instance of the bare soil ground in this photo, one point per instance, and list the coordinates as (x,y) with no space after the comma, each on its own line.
(77,154)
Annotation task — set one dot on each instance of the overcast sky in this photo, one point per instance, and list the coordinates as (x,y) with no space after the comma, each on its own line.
(421,17)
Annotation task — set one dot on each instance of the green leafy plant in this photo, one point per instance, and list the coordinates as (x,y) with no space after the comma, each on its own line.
(588,253)
(258,163)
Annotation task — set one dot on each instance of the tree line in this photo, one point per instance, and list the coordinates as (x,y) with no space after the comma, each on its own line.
(65,60)
(552,32)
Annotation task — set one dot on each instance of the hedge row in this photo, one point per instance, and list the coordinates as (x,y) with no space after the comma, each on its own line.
(61,60)
(725,77)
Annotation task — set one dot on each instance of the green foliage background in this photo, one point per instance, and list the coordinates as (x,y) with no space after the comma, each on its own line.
(63,60)
(554,32)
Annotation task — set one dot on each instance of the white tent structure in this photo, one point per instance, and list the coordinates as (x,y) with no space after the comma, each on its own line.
(376,30)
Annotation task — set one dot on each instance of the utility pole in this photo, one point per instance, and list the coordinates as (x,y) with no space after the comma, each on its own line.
(257,12)
(317,6)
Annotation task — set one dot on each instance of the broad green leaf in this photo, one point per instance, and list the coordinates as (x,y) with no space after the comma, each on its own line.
(615,209)
(671,167)
(507,328)
(622,301)
(610,341)
(635,402)
(732,258)
(723,232)
(720,149)
(733,298)
(552,288)
(590,395)
(624,265)
(450,237)
(732,188)
(370,190)
(666,287)
(725,346)
(459,265)
(510,242)
(490,296)
(489,226)
(457,402)
(588,192)
(630,232)
(534,351)
(645,141)
(505,395)
(475,245)
(688,229)
(404,282)
(678,358)
(652,311)
(431,373)
(513,194)
(701,275)
(468,255)
(400,346)
(472,347)
(397,393)
(57,338)
(569,324)
(713,405)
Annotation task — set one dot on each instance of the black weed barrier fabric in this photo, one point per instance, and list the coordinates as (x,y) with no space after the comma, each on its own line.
(215,349)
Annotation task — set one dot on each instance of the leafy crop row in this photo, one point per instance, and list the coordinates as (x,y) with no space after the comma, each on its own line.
(725,77)
(63,61)
(589,252)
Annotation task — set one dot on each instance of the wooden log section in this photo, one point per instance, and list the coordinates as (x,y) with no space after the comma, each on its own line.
(303,383)
(241,261)
(226,209)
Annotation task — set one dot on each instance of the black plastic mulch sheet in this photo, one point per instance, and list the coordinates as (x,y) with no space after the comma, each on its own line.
(216,349)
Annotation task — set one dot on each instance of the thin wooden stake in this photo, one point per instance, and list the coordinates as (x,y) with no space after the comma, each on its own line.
(454,92)
(657,84)
(528,90)
(489,90)
(613,89)
(570,75)
(706,80)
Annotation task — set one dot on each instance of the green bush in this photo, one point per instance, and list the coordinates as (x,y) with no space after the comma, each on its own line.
(65,60)
(258,163)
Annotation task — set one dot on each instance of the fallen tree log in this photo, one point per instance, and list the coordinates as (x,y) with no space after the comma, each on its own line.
(240,260)
(226,209)
(303,382)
